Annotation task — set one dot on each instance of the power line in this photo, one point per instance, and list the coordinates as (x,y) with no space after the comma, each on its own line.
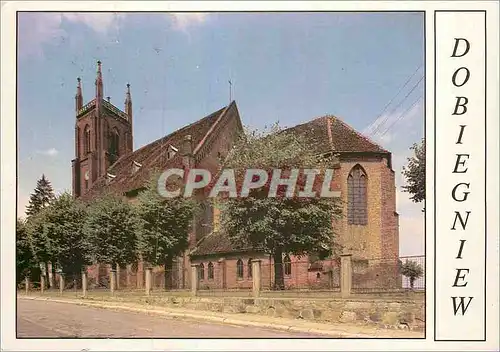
(379,126)
(400,117)
(395,96)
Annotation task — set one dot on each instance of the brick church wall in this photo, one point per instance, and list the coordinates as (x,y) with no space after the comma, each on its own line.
(376,242)
(301,277)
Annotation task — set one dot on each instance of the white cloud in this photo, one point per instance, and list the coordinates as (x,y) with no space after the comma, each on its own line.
(39,29)
(187,19)
(49,152)
(99,22)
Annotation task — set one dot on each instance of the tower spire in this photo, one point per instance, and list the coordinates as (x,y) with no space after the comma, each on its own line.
(98,82)
(128,111)
(79,95)
(128,101)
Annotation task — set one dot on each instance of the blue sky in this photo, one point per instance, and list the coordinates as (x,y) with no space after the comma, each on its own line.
(286,67)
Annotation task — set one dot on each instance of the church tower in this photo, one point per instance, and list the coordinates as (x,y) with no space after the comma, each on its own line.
(103,133)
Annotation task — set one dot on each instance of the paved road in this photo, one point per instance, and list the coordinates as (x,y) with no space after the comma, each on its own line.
(50,319)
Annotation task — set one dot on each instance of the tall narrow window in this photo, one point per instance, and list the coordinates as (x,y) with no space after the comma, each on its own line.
(210,275)
(86,140)
(357,213)
(204,219)
(239,269)
(250,268)
(78,143)
(287,265)
(114,145)
(201,272)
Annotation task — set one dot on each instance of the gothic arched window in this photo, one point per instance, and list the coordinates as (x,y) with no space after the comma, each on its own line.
(201,272)
(357,213)
(210,275)
(114,144)
(287,265)
(239,269)
(86,140)
(204,219)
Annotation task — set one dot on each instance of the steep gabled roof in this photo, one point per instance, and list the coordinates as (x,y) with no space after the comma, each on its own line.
(329,133)
(153,156)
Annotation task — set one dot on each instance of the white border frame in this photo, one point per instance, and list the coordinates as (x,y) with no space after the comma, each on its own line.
(8,179)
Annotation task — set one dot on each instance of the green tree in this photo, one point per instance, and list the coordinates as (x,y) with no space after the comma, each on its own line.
(66,242)
(24,258)
(414,173)
(35,227)
(412,270)
(110,228)
(279,225)
(41,197)
(163,227)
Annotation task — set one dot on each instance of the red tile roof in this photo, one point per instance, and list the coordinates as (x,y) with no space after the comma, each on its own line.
(153,157)
(329,133)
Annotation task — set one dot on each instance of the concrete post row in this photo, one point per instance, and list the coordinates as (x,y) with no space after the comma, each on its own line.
(194,279)
(42,284)
(112,279)
(84,283)
(345,274)
(148,281)
(61,282)
(256,277)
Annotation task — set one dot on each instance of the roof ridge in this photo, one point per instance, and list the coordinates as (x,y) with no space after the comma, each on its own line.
(356,132)
(305,122)
(211,129)
(163,138)
(329,132)
(201,240)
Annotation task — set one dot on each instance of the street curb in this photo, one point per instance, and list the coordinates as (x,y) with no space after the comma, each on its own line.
(220,320)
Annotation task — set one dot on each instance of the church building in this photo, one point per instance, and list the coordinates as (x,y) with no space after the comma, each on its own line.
(369,230)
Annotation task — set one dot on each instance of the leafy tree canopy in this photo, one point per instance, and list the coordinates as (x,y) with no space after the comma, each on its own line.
(24,257)
(35,227)
(66,241)
(414,173)
(163,224)
(110,229)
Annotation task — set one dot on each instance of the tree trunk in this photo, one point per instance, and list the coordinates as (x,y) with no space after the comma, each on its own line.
(412,282)
(46,273)
(168,272)
(279,279)
(52,275)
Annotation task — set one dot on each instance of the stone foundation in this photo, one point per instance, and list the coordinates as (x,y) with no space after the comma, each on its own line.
(386,313)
